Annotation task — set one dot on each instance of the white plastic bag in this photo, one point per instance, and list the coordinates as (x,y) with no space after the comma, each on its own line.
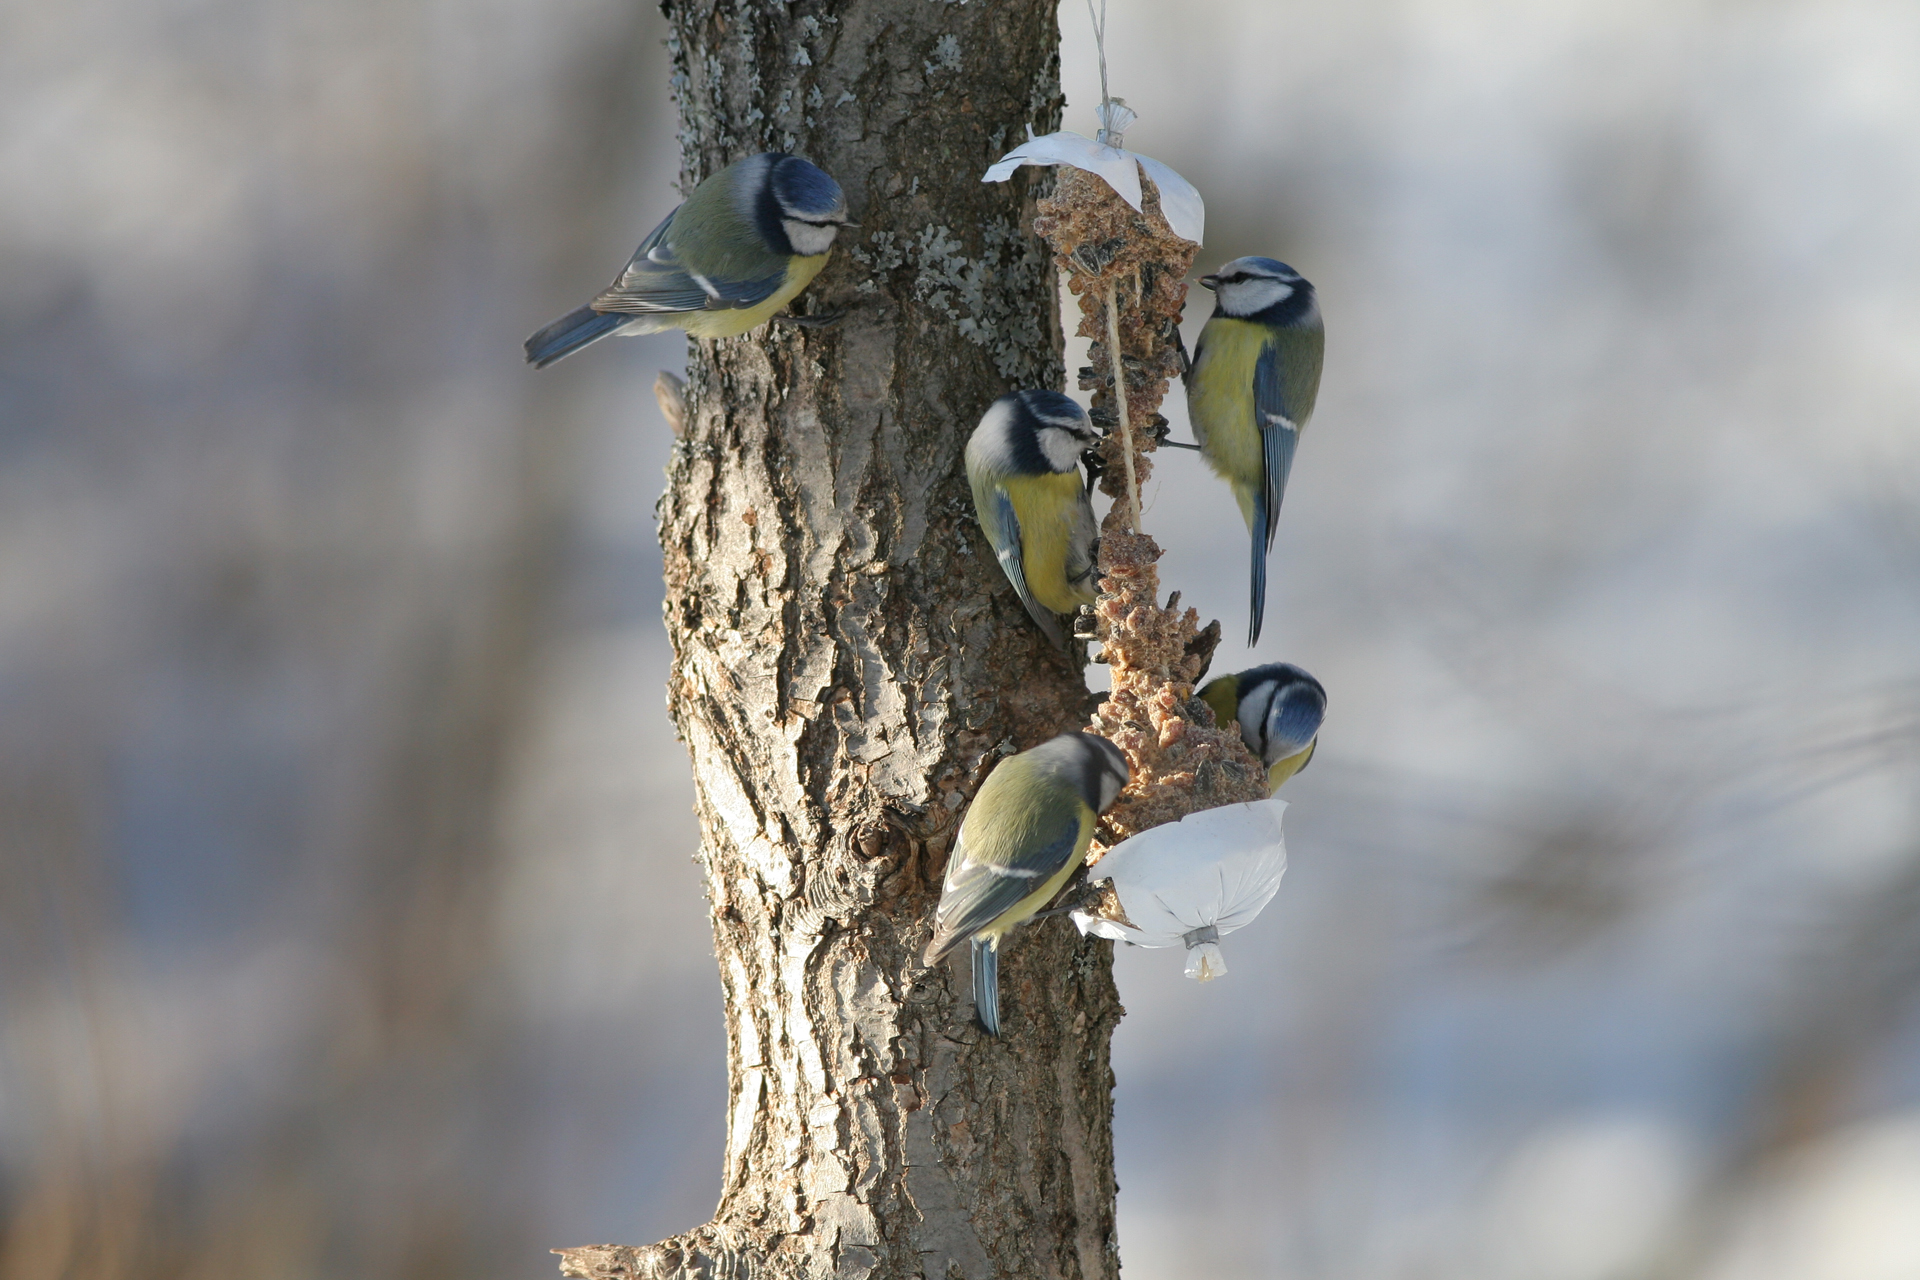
(1190,882)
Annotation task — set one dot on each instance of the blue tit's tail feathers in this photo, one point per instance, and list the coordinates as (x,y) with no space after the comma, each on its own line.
(986,985)
(1258,606)
(569,333)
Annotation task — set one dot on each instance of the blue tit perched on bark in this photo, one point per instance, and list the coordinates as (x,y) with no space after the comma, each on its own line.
(748,239)
(1250,391)
(1279,708)
(1024,835)
(1023,462)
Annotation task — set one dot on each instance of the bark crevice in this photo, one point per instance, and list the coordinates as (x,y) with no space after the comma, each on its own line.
(848,659)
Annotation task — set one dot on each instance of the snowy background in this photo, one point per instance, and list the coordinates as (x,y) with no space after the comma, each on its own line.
(348,922)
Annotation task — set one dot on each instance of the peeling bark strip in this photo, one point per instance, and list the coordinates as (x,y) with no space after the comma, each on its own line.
(849,659)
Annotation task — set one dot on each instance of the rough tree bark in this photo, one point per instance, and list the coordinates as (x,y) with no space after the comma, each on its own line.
(849,659)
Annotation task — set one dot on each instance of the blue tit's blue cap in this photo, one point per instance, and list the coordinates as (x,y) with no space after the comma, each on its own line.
(805,191)
(1297,714)
(1053,407)
(1270,267)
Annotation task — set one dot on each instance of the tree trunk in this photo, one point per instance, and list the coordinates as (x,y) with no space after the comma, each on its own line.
(849,659)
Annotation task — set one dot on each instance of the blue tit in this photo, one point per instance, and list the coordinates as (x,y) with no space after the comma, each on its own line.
(1026,832)
(1024,464)
(1250,391)
(741,247)
(1279,708)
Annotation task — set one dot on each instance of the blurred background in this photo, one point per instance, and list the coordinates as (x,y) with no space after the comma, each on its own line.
(348,922)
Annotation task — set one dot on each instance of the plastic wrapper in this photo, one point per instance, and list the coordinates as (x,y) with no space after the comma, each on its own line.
(1190,882)
(1180,203)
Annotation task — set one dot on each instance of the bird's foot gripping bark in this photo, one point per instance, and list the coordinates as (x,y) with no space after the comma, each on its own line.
(816,320)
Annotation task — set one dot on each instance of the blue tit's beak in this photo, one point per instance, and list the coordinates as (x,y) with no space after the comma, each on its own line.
(1209,282)
(847,222)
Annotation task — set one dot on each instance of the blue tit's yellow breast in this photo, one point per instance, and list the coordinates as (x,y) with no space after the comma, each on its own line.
(733,323)
(1220,402)
(1281,770)
(1049,512)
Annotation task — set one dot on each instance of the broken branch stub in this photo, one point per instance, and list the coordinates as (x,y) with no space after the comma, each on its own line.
(1181,761)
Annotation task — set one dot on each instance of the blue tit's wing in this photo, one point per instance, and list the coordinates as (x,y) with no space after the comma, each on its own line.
(981,890)
(657,280)
(1279,435)
(1286,379)
(1004,533)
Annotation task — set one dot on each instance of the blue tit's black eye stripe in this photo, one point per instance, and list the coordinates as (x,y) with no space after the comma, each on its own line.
(1019,442)
(1088,760)
(1035,410)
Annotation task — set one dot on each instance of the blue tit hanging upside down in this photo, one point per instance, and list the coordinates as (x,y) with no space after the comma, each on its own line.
(1279,708)
(1024,835)
(1250,391)
(1023,462)
(747,240)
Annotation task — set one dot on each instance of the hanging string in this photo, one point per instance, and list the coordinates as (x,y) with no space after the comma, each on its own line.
(1120,399)
(1100,46)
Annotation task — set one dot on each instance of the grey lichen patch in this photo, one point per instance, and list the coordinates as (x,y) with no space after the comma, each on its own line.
(881,253)
(1087,962)
(946,55)
(967,291)
(1044,101)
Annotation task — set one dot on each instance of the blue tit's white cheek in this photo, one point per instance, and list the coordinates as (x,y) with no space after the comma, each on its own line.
(1061,447)
(808,239)
(1250,297)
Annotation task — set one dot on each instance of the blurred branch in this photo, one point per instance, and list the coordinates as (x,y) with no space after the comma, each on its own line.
(1842,1009)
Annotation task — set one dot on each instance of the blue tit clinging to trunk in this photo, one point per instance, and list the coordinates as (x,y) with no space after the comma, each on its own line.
(1250,391)
(1279,708)
(1024,834)
(747,240)
(1023,462)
